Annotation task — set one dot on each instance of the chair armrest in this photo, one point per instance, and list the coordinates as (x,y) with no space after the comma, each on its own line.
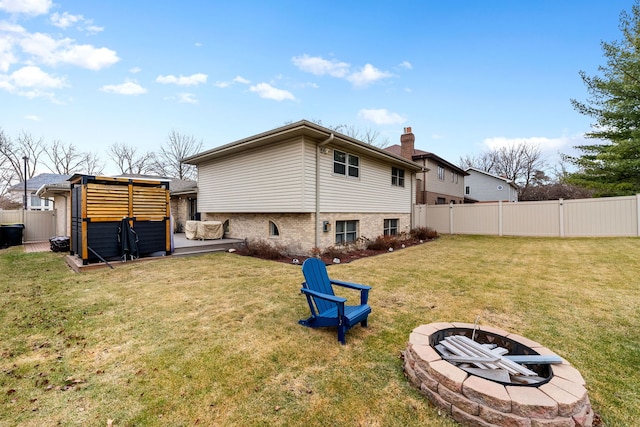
(350,285)
(364,289)
(332,298)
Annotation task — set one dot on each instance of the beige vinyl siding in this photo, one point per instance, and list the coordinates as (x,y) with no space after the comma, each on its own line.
(267,179)
(445,186)
(369,193)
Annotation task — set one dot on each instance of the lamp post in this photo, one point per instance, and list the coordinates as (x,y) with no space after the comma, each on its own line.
(25,158)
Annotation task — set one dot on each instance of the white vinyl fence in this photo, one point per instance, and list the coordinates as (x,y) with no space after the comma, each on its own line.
(38,225)
(602,217)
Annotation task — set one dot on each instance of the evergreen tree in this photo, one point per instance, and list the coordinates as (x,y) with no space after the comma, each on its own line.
(611,166)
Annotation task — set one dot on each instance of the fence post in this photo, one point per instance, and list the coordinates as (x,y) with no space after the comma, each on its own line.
(499,217)
(638,214)
(450,217)
(561,216)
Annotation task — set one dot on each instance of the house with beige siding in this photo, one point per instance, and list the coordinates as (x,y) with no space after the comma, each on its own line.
(440,182)
(303,186)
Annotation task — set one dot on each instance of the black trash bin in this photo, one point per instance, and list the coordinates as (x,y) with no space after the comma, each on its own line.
(11,234)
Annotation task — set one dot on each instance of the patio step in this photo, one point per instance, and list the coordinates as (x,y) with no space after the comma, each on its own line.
(214,246)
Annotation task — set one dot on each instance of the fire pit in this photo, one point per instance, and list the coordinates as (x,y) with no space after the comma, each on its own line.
(543,394)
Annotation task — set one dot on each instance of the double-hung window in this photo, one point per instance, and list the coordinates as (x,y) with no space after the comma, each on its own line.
(397,177)
(346,231)
(441,173)
(391,227)
(346,164)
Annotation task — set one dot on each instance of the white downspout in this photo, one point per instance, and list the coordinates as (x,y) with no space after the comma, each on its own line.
(317,219)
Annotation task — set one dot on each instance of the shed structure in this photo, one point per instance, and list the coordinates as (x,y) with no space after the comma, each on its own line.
(98,207)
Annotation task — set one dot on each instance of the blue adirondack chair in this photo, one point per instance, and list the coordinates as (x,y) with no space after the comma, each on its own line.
(327,309)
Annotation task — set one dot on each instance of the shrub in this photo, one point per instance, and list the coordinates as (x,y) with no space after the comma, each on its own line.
(262,249)
(424,233)
(384,243)
(333,252)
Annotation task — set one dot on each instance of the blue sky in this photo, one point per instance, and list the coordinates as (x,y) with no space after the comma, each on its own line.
(465,75)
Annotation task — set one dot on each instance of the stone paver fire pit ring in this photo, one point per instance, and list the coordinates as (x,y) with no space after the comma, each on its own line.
(559,401)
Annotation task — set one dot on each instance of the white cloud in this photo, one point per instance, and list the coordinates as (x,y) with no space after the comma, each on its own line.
(367,75)
(265,90)
(381,116)
(32,117)
(187,98)
(27,7)
(6,55)
(65,20)
(192,80)
(320,66)
(135,70)
(93,29)
(127,88)
(544,143)
(31,82)
(87,56)
(52,52)
(34,77)
(240,79)
(236,79)
(407,65)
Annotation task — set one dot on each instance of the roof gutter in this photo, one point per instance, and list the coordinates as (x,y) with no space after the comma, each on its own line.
(317,219)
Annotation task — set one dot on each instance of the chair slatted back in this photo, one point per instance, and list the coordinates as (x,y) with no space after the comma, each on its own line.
(317,279)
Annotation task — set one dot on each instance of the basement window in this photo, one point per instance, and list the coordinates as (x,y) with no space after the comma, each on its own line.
(391,227)
(273,229)
(346,231)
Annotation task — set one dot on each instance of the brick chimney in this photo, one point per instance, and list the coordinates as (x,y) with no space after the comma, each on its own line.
(407,141)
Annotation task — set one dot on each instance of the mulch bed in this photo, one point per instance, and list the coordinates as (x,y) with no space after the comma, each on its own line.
(338,258)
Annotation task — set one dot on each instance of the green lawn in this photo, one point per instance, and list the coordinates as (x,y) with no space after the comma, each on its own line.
(214,339)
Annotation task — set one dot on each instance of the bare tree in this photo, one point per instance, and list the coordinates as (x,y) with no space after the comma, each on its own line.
(91,164)
(128,161)
(369,135)
(66,159)
(168,162)
(485,161)
(26,150)
(517,162)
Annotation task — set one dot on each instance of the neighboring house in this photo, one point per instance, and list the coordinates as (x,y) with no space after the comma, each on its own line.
(483,186)
(37,202)
(303,186)
(440,181)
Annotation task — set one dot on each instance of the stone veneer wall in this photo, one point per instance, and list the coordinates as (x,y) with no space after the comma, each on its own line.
(475,401)
(297,231)
(179,211)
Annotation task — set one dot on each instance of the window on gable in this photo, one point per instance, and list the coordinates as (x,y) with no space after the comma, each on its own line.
(466,190)
(346,231)
(397,177)
(441,173)
(391,227)
(346,164)
(273,229)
